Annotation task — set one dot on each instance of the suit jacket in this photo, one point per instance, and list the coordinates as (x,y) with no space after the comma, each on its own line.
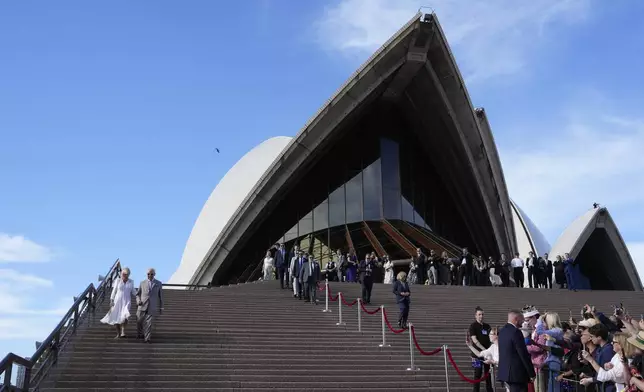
(281,259)
(401,287)
(310,271)
(515,366)
(291,268)
(366,270)
(297,268)
(469,262)
(149,298)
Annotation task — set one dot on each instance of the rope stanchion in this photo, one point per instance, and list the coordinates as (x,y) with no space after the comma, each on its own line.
(412,367)
(493,375)
(412,333)
(384,339)
(446,369)
(460,373)
(369,311)
(359,315)
(326,297)
(340,322)
(384,316)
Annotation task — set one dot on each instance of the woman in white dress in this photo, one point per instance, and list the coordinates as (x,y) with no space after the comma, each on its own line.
(122,292)
(495,278)
(268,266)
(389,270)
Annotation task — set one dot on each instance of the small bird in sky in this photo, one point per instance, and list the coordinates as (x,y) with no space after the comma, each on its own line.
(216,149)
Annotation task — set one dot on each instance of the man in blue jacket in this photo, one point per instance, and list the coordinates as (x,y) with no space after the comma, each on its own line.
(515,366)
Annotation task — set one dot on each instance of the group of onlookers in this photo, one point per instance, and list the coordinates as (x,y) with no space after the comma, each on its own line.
(538,351)
(435,269)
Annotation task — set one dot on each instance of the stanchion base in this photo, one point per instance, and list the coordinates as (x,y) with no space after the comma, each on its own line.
(326,310)
(340,323)
(384,345)
(414,369)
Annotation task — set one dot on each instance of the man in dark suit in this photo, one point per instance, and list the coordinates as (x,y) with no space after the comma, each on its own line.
(281,262)
(366,268)
(299,267)
(468,261)
(515,366)
(309,276)
(420,260)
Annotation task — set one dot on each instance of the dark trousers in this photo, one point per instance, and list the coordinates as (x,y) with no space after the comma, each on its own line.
(281,272)
(518,276)
(421,272)
(505,278)
(404,313)
(478,373)
(299,287)
(517,387)
(310,290)
(367,285)
(531,276)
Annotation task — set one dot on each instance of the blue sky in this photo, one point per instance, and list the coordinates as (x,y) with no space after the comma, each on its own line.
(109,114)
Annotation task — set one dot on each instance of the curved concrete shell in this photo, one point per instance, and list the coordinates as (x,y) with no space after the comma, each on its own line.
(223,203)
(595,242)
(529,237)
(415,74)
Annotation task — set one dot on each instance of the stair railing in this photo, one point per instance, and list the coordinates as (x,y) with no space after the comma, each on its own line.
(47,353)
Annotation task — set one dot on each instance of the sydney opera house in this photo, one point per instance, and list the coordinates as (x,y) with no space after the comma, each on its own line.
(397,158)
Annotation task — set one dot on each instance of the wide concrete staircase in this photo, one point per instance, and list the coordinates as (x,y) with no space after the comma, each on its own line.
(257,337)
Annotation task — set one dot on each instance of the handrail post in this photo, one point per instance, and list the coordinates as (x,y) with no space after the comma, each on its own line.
(27,378)
(446,369)
(384,339)
(340,322)
(359,315)
(326,296)
(412,367)
(7,374)
(493,375)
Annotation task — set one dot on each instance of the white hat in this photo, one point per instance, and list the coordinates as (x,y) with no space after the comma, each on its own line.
(587,323)
(530,311)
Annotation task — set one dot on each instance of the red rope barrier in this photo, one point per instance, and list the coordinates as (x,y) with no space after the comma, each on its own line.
(396,331)
(368,311)
(355,301)
(423,352)
(331,298)
(461,375)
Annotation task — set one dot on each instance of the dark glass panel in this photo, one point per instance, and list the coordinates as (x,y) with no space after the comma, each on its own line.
(306,224)
(338,239)
(392,203)
(390,157)
(291,234)
(372,191)
(337,207)
(407,210)
(360,241)
(394,251)
(321,216)
(353,190)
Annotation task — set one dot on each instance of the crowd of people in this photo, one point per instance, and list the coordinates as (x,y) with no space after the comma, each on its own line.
(435,269)
(538,351)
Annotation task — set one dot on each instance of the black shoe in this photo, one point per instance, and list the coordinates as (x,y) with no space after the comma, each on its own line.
(294,295)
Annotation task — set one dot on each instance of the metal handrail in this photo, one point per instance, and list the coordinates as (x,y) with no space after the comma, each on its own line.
(46,355)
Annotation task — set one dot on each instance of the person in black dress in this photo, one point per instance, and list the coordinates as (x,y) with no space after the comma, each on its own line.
(366,269)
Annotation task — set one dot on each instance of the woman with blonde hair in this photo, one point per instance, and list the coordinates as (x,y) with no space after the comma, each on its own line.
(269,266)
(616,370)
(550,325)
(120,300)
(401,290)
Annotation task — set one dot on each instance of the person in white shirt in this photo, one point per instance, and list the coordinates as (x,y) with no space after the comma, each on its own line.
(269,266)
(491,354)
(532,263)
(517,269)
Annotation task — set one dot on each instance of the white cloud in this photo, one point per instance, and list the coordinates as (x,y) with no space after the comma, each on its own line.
(490,38)
(23,314)
(597,159)
(20,249)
